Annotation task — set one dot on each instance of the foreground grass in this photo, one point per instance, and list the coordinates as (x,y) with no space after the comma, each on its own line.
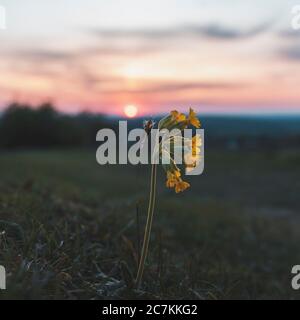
(71,229)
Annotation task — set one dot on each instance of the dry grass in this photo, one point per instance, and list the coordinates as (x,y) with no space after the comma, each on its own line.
(70,228)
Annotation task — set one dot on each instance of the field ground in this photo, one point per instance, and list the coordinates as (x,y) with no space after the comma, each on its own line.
(69,228)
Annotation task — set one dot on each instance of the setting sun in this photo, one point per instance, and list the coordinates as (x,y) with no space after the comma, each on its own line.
(130,111)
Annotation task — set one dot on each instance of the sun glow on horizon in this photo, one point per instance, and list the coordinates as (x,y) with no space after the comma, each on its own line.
(138,63)
(130,110)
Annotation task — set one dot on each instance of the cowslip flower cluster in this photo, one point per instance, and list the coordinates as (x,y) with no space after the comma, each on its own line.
(179,121)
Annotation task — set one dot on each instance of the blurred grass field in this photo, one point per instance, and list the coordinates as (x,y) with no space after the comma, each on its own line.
(71,229)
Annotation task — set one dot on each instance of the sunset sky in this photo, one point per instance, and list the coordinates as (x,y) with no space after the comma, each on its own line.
(219,56)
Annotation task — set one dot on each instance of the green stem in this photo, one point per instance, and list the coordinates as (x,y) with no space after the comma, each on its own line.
(148,226)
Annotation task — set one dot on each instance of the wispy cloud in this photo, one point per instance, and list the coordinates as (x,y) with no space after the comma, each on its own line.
(174,86)
(221,32)
(291,53)
(210,31)
(289,34)
(45,55)
(290,45)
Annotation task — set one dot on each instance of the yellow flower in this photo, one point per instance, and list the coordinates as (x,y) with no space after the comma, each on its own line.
(191,162)
(192,119)
(196,144)
(181,186)
(172,178)
(192,166)
(174,181)
(177,174)
(192,158)
(177,120)
(177,116)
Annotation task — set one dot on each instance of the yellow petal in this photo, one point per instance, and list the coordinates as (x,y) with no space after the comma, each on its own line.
(170,183)
(193,120)
(177,174)
(178,117)
(196,143)
(181,186)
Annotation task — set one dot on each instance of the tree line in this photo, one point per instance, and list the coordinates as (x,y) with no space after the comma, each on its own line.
(24,126)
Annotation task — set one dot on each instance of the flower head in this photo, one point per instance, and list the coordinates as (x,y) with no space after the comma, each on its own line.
(181,186)
(172,178)
(191,147)
(192,119)
(172,121)
(174,181)
(177,116)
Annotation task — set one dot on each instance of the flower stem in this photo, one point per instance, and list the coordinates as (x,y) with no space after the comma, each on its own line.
(148,226)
